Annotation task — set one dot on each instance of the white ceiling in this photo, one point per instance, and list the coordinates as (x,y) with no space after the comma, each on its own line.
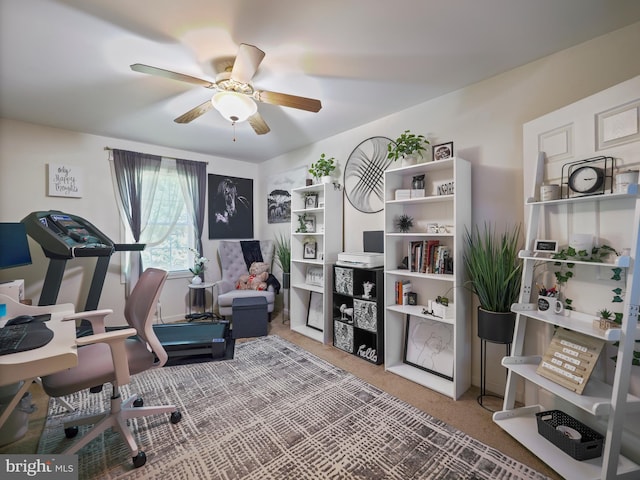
(66,63)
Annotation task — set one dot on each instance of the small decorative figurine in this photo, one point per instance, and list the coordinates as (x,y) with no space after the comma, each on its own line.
(367,287)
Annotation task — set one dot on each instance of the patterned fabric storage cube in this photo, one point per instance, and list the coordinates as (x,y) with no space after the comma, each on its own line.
(344,280)
(365,315)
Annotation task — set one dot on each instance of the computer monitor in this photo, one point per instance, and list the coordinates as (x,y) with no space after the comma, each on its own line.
(373,241)
(14,245)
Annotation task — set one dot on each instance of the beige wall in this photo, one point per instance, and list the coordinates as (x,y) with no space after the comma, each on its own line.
(483,120)
(25,152)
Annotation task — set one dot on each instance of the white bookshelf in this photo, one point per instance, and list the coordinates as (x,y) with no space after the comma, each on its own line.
(453,213)
(328,239)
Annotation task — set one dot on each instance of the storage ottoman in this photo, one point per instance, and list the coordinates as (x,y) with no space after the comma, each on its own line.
(249,317)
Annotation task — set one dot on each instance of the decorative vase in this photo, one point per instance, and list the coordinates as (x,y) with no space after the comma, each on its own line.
(408,160)
(496,327)
(325,179)
(196,280)
(417,182)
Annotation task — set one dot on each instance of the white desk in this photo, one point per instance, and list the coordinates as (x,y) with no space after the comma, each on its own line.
(60,353)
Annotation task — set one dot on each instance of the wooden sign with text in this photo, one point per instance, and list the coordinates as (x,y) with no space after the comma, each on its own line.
(570,359)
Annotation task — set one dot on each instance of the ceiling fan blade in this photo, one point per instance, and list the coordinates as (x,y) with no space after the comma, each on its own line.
(286,100)
(246,64)
(161,72)
(194,112)
(258,124)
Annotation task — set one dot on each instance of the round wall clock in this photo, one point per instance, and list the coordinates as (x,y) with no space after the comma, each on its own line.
(586,179)
(364,174)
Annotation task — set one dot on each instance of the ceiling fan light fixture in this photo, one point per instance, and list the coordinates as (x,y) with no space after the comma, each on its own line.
(235,107)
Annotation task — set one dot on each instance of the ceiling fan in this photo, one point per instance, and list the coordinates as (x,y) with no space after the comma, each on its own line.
(235,96)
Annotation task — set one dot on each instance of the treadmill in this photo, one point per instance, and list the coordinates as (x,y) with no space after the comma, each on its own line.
(64,236)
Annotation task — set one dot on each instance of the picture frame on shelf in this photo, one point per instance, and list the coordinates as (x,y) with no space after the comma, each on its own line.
(442,151)
(428,345)
(310,250)
(315,318)
(311,200)
(310,223)
(314,276)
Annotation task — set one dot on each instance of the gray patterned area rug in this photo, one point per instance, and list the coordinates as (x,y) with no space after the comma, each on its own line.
(278,412)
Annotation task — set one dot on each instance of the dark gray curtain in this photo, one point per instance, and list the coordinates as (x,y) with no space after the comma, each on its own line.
(193,179)
(128,168)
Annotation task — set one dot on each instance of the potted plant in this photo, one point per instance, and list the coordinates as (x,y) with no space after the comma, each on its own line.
(283,257)
(407,147)
(494,273)
(404,223)
(198,266)
(321,170)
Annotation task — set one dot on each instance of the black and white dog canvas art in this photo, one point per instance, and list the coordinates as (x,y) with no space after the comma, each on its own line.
(230,207)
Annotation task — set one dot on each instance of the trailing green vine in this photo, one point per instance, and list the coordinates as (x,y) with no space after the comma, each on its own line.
(565,269)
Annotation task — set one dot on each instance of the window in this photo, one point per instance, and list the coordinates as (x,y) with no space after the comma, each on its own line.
(162,202)
(169,232)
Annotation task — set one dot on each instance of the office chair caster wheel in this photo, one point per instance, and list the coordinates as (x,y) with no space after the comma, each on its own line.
(176,417)
(70,432)
(138,402)
(139,460)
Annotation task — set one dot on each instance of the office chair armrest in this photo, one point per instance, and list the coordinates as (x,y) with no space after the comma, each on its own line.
(115,339)
(95,317)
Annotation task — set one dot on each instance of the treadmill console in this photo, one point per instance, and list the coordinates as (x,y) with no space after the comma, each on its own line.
(62,235)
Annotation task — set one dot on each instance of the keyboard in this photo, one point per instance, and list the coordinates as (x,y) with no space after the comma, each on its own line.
(23,337)
(11,337)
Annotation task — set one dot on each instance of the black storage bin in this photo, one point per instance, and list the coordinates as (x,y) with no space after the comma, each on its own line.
(250,317)
(589,446)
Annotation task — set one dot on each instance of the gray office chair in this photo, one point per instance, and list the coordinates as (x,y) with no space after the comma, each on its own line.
(232,263)
(111,357)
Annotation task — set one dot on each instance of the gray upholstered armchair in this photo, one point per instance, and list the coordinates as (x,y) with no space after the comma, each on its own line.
(233,264)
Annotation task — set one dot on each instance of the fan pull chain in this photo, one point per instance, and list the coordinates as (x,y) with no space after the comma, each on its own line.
(233,124)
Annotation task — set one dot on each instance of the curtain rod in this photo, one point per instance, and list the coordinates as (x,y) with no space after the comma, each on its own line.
(111,149)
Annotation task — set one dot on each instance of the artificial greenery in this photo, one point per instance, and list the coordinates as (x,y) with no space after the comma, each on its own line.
(493,267)
(406,144)
(283,253)
(565,269)
(302,223)
(404,223)
(606,314)
(198,262)
(324,166)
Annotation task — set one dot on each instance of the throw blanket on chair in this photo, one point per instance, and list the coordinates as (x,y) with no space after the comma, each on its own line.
(252,253)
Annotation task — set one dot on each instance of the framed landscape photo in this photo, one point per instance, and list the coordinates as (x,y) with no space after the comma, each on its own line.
(443,151)
(310,250)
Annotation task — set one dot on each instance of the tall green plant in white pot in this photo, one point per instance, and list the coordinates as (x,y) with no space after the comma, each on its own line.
(494,273)
(283,259)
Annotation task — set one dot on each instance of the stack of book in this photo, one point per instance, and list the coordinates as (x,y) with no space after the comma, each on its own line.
(402,289)
(428,256)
